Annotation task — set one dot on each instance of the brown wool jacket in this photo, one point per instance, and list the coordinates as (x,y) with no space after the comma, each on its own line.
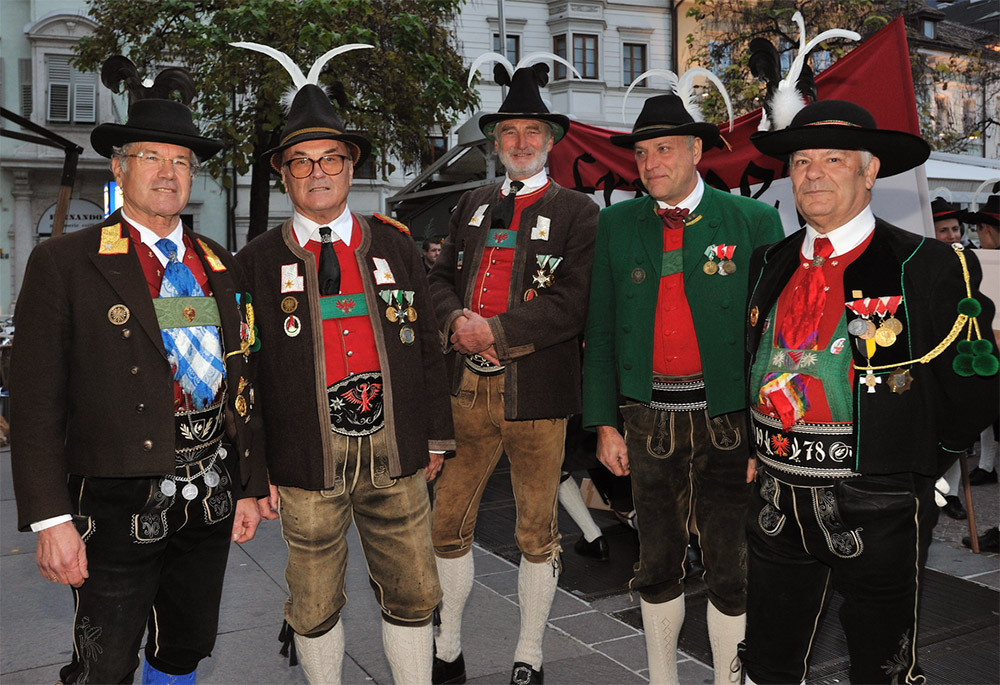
(537,339)
(96,398)
(292,371)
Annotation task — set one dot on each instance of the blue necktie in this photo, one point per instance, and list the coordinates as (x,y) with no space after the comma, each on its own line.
(196,351)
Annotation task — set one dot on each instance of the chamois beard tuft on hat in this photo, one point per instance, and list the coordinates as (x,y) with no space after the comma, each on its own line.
(785,97)
(118,70)
(683,87)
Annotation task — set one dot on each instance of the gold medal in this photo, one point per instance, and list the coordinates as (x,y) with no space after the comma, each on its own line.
(118,314)
(893,324)
(869,331)
(241,405)
(728,266)
(884,336)
(289,304)
(392,314)
(754,313)
(710,267)
(411,314)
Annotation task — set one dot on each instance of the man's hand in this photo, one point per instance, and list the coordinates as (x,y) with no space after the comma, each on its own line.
(246,520)
(611,450)
(751,469)
(62,555)
(268,506)
(473,336)
(432,470)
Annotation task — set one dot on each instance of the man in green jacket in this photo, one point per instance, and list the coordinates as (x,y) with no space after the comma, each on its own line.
(665,321)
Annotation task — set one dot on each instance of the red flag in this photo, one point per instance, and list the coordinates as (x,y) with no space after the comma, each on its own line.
(875,75)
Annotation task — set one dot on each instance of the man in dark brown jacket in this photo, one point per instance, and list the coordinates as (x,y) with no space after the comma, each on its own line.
(356,409)
(118,451)
(510,290)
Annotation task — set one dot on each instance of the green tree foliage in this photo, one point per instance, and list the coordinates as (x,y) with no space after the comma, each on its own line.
(413,80)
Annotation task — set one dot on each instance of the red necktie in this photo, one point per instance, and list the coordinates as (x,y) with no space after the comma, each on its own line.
(673,218)
(800,324)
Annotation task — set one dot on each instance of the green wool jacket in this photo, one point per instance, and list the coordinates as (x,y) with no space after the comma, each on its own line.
(618,353)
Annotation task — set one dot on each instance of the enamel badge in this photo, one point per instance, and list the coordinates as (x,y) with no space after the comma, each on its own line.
(291,281)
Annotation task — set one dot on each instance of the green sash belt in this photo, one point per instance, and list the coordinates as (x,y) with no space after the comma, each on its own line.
(183,312)
(340,306)
(503,237)
(673,263)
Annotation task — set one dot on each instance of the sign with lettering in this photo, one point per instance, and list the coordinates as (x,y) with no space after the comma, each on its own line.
(79,214)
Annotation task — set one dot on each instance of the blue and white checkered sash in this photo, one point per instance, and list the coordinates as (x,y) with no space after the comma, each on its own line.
(194,352)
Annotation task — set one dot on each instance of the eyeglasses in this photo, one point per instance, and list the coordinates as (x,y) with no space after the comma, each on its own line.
(301,167)
(180,165)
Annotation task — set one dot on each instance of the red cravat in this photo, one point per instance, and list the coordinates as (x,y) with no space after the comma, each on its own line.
(800,323)
(673,218)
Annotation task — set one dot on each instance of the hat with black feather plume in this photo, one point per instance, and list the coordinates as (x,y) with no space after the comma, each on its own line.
(152,116)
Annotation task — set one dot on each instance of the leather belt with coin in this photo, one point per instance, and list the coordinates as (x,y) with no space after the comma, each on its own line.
(810,450)
(198,443)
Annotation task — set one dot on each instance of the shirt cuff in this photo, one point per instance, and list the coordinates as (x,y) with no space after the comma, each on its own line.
(436,451)
(49,523)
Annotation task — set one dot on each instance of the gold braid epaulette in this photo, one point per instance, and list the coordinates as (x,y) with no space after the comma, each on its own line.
(952,334)
(400,226)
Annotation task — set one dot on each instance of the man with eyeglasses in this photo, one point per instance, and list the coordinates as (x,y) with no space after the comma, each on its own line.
(132,411)
(356,407)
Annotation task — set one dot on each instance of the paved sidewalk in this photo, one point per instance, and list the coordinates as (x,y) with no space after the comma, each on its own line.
(583,643)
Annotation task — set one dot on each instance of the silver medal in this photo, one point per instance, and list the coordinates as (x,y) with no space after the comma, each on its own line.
(222,452)
(211,479)
(190,491)
(168,487)
(857,326)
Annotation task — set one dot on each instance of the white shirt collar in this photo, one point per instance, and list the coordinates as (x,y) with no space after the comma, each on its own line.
(843,238)
(531,184)
(149,238)
(692,201)
(306,229)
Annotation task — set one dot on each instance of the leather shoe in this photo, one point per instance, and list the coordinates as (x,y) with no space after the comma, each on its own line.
(978,476)
(446,672)
(953,508)
(988,541)
(524,674)
(595,549)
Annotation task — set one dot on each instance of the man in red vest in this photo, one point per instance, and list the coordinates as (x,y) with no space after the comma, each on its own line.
(356,412)
(867,376)
(510,291)
(133,406)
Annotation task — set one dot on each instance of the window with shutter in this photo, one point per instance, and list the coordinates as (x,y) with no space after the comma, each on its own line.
(58,101)
(72,94)
(24,86)
(84,103)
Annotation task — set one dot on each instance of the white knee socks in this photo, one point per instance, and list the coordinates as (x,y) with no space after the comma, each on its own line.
(572,501)
(322,657)
(662,624)
(725,633)
(409,651)
(536,588)
(456,576)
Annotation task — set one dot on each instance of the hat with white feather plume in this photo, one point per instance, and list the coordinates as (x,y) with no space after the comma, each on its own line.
(311,114)
(674,114)
(524,100)
(787,96)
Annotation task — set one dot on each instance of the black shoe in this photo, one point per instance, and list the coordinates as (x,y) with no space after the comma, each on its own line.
(692,565)
(446,672)
(595,549)
(978,476)
(524,674)
(953,508)
(988,541)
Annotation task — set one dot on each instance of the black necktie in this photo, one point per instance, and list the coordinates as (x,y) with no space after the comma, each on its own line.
(329,267)
(505,210)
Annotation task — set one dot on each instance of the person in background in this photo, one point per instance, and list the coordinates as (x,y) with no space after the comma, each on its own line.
(429,252)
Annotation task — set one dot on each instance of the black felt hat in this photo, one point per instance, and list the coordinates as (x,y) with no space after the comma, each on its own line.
(313,117)
(988,213)
(842,125)
(941,209)
(152,116)
(665,115)
(524,101)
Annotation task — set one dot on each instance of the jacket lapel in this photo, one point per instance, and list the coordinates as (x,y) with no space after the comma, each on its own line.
(650,234)
(224,292)
(124,273)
